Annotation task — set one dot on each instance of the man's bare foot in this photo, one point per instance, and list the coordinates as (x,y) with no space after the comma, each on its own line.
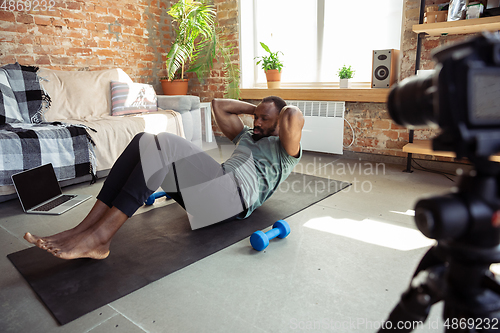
(31,238)
(82,245)
(84,241)
(85,245)
(43,242)
(98,211)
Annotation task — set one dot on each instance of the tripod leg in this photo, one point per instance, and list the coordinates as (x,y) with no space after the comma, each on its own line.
(423,292)
(430,259)
(472,302)
(401,320)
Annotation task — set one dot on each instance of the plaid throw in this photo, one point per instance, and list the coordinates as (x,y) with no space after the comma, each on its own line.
(9,111)
(24,146)
(24,84)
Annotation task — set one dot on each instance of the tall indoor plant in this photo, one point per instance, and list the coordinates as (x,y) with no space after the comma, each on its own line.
(198,42)
(272,65)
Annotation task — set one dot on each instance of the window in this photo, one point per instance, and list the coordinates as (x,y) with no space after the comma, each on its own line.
(317,37)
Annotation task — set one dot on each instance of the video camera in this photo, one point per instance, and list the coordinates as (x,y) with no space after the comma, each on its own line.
(462,97)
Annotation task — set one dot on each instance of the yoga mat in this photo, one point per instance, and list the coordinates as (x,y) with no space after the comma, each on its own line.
(152,245)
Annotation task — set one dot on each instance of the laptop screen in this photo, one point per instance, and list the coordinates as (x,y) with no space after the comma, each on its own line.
(36,185)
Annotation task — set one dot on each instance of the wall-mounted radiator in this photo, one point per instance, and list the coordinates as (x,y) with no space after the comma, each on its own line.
(324,125)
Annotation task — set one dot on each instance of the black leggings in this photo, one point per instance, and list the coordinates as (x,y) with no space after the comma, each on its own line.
(127,187)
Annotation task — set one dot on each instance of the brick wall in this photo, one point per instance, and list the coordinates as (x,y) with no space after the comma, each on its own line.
(134,35)
(89,35)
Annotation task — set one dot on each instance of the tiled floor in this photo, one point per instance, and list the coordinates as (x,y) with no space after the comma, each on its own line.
(342,268)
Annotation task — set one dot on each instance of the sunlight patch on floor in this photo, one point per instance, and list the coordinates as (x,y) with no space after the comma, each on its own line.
(409,212)
(372,232)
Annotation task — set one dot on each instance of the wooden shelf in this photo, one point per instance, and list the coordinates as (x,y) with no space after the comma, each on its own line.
(424,147)
(459,27)
(347,95)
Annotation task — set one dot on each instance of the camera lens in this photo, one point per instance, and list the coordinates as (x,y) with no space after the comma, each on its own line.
(410,102)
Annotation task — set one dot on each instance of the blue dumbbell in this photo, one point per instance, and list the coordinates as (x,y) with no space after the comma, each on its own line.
(260,240)
(155,196)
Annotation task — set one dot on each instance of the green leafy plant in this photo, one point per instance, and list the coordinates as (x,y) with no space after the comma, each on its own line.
(198,43)
(270,61)
(220,49)
(346,72)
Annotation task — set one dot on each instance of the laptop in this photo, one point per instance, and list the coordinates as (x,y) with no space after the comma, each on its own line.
(40,193)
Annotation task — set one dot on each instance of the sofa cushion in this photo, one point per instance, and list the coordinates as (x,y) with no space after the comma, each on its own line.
(179,104)
(9,110)
(83,95)
(189,107)
(130,98)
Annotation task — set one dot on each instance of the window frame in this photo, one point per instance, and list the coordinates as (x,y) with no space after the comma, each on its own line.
(249,81)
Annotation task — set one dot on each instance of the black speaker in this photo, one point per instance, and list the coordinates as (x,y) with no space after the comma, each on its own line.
(385,68)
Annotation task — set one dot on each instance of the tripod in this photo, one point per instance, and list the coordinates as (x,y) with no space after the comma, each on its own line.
(466,225)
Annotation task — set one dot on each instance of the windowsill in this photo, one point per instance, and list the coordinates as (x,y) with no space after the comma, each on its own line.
(369,95)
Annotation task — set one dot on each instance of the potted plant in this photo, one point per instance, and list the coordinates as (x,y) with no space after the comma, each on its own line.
(345,73)
(175,86)
(198,42)
(272,66)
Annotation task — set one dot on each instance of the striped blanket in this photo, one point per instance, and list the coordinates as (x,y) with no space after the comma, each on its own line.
(26,141)
(21,97)
(24,146)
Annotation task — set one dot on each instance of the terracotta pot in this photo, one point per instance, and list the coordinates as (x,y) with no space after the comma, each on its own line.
(174,87)
(273,78)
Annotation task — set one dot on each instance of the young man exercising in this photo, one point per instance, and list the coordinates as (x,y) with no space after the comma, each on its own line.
(263,158)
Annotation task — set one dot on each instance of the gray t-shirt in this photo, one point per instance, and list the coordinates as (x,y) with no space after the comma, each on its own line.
(259,167)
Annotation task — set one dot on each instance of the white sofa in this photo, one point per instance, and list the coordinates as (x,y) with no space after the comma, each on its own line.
(83,97)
